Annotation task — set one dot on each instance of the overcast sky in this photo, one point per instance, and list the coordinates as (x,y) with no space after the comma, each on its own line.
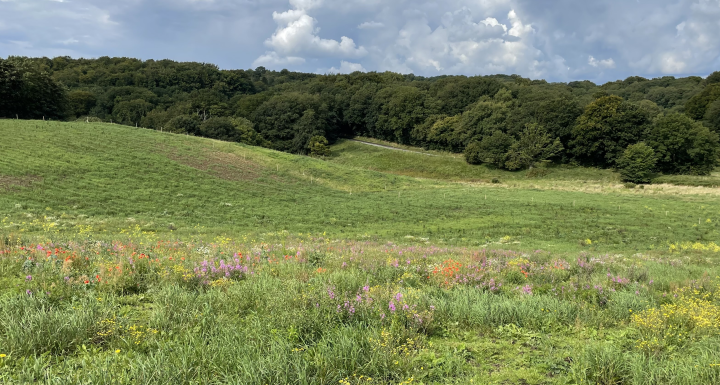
(560,40)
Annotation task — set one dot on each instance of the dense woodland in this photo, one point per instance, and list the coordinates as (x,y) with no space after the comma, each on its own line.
(667,124)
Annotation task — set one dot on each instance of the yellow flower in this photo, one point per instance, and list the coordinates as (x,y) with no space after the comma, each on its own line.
(117,351)
(3,355)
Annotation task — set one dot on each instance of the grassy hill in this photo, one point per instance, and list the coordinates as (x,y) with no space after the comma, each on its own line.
(131,256)
(102,177)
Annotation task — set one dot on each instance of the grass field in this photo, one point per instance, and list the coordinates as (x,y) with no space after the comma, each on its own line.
(106,178)
(129,256)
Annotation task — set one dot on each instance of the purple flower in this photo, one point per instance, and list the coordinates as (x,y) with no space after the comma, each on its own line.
(28,278)
(398,297)
(527,289)
(366,288)
(391,306)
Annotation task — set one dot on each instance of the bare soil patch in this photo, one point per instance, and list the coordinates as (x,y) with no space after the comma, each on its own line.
(223,165)
(10,182)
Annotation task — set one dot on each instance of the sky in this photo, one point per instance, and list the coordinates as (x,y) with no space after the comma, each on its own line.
(560,40)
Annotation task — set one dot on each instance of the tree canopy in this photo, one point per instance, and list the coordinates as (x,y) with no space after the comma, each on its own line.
(509,121)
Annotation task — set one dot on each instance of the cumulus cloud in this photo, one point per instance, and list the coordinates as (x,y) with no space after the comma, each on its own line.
(464,43)
(605,63)
(272,59)
(345,68)
(297,34)
(370,25)
(560,41)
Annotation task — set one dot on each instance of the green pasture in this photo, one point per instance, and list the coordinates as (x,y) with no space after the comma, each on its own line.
(372,266)
(108,177)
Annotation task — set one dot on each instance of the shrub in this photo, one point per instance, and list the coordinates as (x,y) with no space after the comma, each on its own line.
(318,146)
(637,163)
(472,153)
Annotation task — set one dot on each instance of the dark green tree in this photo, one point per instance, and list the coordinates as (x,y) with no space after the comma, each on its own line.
(605,129)
(696,107)
(80,102)
(637,163)
(399,110)
(713,78)
(712,116)
(131,112)
(533,146)
(184,124)
(445,134)
(247,134)
(309,126)
(682,145)
(491,149)
(220,128)
(27,92)
(276,118)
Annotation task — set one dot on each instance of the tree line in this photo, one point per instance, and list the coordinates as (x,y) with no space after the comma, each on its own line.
(505,120)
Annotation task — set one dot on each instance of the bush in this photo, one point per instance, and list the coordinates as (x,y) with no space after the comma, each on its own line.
(637,163)
(630,185)
(472,153)
(318,146)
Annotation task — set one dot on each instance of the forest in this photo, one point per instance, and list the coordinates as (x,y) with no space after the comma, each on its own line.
(637,125)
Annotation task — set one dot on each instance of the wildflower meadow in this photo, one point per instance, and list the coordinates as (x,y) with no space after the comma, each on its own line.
(130,256)
(299,309)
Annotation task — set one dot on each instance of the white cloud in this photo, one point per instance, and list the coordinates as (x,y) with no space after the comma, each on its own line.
(462,45)
(371,25)
(305,4)
(345,68)
(567,40)
(605,63)
(272,59)
(297,36)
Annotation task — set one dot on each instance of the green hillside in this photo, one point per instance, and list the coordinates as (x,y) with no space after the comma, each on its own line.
(133,256)
(102,177)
